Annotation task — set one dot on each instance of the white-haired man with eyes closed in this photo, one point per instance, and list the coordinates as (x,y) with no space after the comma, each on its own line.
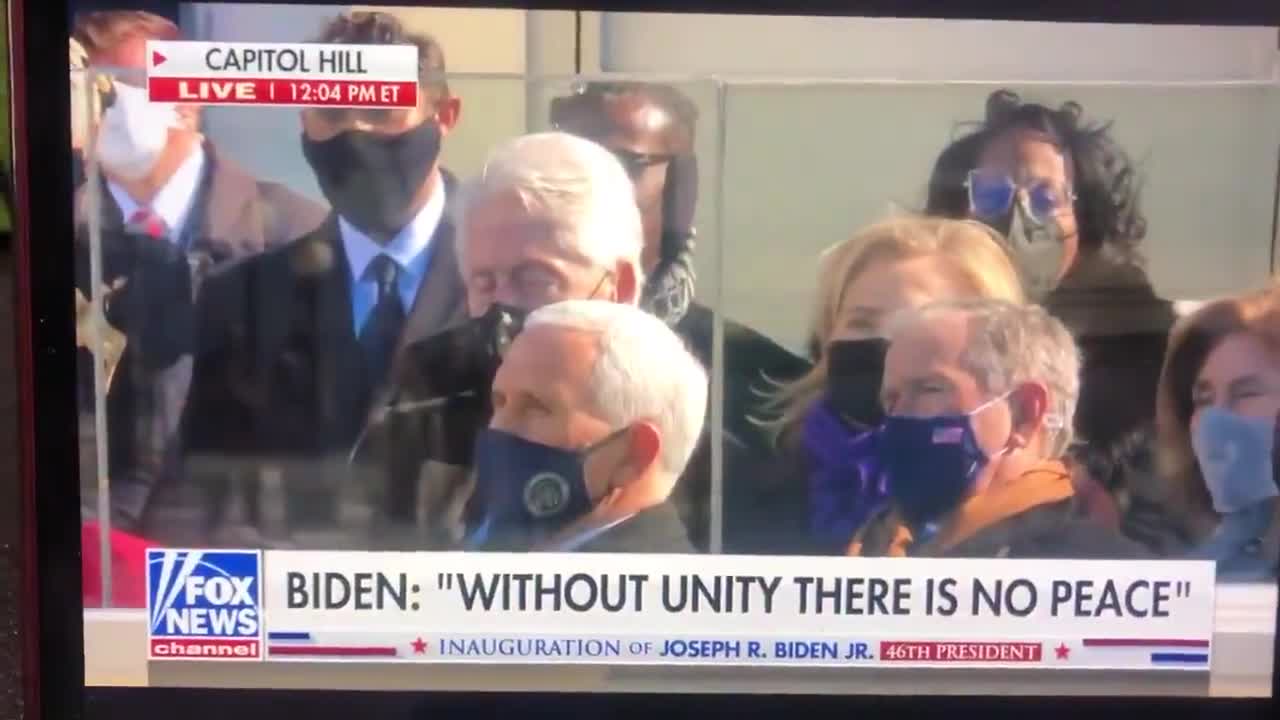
(597,409)
(550,217)
(979,396)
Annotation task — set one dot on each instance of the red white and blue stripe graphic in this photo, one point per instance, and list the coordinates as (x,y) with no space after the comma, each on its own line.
(1169,652)
(304,645)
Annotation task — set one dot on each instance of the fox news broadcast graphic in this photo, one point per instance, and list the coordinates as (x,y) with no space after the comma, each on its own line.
(674,610)
(204,604)
(290,75)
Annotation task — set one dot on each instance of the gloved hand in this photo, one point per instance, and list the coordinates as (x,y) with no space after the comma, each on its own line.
(441,397)
(463,358)
(152,303)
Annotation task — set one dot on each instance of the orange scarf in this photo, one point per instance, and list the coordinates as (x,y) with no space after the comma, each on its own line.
(1046,483)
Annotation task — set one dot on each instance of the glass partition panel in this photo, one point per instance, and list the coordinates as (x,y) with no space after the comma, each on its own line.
(238,402)
(667,134)
(307,328)
(1116,203)
(1205,157)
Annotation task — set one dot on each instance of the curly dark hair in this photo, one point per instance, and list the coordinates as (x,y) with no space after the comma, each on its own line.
(1107,183)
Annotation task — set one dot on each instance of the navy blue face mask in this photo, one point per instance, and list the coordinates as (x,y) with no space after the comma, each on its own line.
(932,462)
(528,491)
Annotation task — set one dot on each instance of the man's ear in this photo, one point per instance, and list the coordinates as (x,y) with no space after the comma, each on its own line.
(644,446)
(1028,404)
(448,111)
(626,284)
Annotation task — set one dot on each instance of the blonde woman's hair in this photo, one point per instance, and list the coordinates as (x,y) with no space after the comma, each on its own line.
(974,252)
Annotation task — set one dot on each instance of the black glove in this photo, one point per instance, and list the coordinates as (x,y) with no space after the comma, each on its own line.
(153,305)
(463,358)
(442,394)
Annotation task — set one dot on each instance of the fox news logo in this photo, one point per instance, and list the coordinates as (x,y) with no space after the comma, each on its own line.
(204,604)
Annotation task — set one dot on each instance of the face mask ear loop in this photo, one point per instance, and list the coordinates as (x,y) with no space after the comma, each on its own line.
(587,451)
(1008,446)
(976,411)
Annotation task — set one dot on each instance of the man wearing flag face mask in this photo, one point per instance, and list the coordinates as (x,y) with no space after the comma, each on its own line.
(172,208)
(597,409)
(832,483)
(976,393)
(1068,200)
(298,345)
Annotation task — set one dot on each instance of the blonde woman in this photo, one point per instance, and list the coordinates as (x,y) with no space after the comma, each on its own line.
(1216,420)
(902,262)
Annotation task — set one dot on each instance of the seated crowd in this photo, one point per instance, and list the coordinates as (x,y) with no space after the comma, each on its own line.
(519,360)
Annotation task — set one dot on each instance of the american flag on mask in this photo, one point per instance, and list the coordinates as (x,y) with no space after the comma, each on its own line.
(948,436)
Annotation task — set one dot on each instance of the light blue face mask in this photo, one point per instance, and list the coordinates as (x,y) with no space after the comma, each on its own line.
(1235,456)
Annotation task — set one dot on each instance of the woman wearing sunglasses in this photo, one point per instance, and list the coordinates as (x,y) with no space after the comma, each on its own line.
(1066,198)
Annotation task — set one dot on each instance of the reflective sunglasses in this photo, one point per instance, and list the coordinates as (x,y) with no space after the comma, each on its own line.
(636,163)
(991,194)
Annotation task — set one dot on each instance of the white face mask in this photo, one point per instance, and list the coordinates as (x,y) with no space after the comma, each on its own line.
(1037,249)
(133,133)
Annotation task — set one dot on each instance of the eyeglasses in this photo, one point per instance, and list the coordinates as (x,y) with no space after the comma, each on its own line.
(636,163)
(991,194)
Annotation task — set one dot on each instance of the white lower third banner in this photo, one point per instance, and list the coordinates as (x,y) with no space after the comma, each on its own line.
(684,610)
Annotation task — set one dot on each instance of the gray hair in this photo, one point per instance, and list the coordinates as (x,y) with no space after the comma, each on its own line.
(1010,344)
(577,186)
(644,372)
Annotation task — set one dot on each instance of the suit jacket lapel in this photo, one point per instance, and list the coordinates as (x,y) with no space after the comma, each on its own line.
(225,218)
(441,298)
(319,323)
(439,302)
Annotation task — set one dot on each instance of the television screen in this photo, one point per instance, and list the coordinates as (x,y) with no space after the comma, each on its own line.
(436,348)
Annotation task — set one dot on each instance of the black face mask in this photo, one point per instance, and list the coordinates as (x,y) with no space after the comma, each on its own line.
(371,180)
(855,371)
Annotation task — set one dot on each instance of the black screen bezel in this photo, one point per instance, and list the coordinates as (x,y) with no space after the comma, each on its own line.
(52,614)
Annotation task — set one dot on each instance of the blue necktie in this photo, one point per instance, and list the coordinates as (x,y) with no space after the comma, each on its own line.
(382,329)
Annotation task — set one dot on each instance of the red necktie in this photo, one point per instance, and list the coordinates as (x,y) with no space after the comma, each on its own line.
(147,222)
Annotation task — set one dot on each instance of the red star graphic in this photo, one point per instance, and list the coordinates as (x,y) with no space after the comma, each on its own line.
(419,646)
(1062,651)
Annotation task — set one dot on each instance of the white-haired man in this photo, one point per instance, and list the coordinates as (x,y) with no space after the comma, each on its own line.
(551,217)
(979,397)
(597,408)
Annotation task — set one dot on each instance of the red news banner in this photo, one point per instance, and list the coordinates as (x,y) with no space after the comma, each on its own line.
(288,75)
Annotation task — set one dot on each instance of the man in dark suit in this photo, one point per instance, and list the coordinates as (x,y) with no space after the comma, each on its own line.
(297,342)
(167,207)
